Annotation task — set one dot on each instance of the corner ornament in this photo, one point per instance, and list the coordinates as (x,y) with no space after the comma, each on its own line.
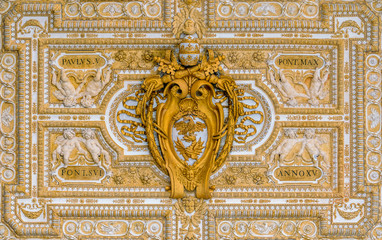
(181,109)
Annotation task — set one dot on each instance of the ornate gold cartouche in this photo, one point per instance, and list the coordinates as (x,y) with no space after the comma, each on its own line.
(185,130)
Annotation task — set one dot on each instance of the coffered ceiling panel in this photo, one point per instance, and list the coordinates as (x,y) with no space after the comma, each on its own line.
(189,119)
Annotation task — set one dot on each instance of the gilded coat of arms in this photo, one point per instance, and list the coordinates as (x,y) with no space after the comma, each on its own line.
(182,113)
(185,129)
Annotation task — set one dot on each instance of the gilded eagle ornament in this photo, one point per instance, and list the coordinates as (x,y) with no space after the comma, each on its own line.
(185,129)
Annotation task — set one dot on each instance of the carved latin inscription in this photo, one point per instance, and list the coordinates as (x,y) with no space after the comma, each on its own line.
(299,62)
(81,173)
(297,173)
(81,61)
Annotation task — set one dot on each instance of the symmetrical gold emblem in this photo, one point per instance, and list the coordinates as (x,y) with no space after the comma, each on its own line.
(189,125)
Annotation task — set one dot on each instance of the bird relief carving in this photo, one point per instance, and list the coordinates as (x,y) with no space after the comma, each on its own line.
(191,133)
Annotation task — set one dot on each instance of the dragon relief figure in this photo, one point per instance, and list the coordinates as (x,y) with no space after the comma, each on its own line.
(314,91)
(95,86)
(188,128)
(286,89)
(87,91)
(317,86)
(66,92)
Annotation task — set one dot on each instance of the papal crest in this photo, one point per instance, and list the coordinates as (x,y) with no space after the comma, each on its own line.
(181,109)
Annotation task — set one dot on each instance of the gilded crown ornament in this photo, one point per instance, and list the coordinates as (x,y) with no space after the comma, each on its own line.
(189,51)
